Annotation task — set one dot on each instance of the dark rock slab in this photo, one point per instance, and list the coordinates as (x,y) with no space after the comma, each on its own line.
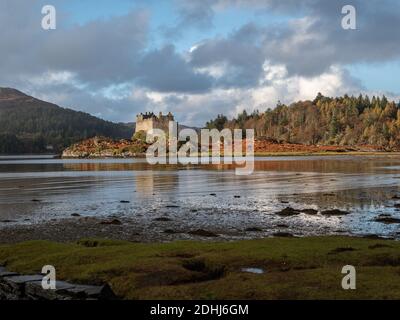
(13,287)
(170,231)
(162,219)
(334,212)
(4,272)
(253,229)
(287,212)
(35,291)
(284,226)
(18,279)
(283,235)
(202,233)
(309,211)
(387,220)
(29,287)
(111,222)
(90,292)
(377,237)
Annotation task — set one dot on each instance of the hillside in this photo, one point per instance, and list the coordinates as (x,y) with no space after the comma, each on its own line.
(29,125)
(342,121)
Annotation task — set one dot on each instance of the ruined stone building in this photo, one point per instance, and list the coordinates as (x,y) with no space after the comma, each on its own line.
(148,121)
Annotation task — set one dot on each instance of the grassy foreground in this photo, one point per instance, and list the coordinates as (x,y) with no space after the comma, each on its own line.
(295,268)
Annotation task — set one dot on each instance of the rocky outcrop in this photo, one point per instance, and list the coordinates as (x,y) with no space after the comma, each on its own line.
(14,286)
(100,147)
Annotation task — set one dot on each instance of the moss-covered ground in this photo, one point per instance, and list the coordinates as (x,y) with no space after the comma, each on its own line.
(294,268)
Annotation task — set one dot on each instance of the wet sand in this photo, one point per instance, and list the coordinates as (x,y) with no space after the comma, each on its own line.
(68,200)
(173,222)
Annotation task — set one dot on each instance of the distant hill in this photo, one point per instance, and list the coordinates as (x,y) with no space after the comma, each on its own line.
(30,125)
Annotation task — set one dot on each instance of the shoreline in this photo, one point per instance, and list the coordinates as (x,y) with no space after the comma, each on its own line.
(161,230)
(269,154)
(101,147)
(256,154)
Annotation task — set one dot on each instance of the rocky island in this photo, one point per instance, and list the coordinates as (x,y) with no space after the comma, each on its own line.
(101,147)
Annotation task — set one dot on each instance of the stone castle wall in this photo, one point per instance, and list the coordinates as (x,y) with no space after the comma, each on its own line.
(150,121)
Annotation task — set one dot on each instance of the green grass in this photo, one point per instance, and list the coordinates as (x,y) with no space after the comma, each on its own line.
(296,268)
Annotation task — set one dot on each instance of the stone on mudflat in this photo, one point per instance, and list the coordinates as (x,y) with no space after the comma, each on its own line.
(283,235)
(387,220)
(309,211)
(287,212)
(203,233)
(334,212)
(111,222)
(253,229)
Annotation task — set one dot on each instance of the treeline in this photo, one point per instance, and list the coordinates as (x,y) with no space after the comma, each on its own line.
(29,125)
(11,144)
(346,120)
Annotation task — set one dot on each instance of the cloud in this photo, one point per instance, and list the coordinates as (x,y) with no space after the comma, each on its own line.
(165,70)
(98,53)
(309,45)
(196,109)
(238,57)
(113,67)
(191,14)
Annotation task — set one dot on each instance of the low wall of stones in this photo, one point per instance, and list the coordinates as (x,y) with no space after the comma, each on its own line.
(14,286)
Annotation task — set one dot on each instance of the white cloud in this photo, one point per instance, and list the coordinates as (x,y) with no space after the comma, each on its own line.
(217,70)
(55,77)
(120,73)
(196,109)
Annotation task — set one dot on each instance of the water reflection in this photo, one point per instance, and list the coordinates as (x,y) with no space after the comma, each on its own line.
(150,182)
(364,185)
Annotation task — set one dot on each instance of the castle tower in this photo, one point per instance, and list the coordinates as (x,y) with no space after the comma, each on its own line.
(149,121)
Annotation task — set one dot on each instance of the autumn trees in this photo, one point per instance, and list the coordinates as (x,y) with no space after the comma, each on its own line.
(344,120)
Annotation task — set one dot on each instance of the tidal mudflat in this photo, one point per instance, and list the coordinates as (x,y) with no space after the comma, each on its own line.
(67,200)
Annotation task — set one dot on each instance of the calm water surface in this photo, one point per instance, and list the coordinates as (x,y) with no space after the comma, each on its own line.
(35,190)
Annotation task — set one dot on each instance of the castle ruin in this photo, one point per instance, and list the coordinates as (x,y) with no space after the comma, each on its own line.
(149,121)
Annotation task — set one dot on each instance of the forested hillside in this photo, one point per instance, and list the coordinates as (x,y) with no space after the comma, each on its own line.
(341,121)
(29,125)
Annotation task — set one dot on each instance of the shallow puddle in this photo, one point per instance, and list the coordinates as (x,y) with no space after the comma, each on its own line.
(253,270)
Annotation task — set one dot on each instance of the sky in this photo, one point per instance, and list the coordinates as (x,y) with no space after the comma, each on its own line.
(197,58)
